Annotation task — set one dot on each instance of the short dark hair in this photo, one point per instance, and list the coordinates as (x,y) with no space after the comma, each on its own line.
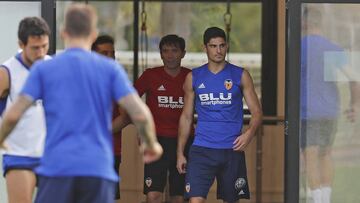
(213,32)
(102,39)
(172,40)
(32,26)
(80,20)
(312,17)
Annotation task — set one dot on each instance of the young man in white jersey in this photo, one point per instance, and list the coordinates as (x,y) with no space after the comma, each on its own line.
(78,88)
(25,145)
(215,90)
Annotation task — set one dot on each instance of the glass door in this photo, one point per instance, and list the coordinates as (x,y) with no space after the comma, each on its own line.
(323,78)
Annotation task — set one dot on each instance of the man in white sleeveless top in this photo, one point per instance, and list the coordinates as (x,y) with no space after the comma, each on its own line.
(24,146)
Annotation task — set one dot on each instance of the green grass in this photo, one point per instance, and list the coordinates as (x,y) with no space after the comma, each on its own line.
(346,185)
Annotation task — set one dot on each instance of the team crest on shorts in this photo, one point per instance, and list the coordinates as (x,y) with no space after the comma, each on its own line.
(148,181)
(228,84)
(240,183)
(187,187)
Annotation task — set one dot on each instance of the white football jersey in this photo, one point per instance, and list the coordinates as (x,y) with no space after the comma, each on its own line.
(27,138)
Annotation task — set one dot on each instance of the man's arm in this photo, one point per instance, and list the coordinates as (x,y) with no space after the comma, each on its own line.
(253,103)
(185,123)
(13,115)
(353,109)
(120,121)
(4,82)
(142,118)
(353,77)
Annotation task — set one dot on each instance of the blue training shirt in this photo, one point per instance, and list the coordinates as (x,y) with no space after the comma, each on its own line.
(218,103)
(77,88)
(320,97)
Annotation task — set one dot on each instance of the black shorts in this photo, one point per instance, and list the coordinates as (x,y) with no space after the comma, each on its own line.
(156,173)
(320,132)
(117,161)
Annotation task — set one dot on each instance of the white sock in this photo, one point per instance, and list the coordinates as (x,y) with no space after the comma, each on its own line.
(316,195)
(325,194)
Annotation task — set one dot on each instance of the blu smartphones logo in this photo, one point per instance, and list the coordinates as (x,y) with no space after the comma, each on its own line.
(210,99)
(170,102)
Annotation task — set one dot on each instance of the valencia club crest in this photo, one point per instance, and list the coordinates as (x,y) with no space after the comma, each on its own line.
(148,181)
(228,84)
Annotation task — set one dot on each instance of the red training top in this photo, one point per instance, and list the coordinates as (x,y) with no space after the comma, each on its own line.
(164,97)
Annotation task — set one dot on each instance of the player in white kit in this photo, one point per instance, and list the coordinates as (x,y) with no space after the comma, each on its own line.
(24,146)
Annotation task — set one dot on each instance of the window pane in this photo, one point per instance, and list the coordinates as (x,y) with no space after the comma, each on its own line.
(115,19)
(10,15)
(330,102)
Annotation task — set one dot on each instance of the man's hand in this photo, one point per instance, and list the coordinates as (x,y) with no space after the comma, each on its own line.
(181,163)
(350,114)
(242,141)
(152,153)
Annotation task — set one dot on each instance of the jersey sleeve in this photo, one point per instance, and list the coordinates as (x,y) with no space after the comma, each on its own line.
(141,84)
(121,85)
(33,85)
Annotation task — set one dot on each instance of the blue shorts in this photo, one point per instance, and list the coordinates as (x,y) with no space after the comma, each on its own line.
(79,189)
(226,165)
(11,162)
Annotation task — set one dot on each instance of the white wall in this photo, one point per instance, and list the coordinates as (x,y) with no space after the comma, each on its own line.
(10,15)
